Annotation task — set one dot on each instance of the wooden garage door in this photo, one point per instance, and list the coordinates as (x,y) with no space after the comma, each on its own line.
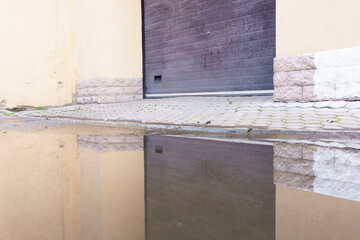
(208,45)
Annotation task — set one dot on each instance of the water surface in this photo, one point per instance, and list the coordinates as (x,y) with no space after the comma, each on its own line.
(130,186)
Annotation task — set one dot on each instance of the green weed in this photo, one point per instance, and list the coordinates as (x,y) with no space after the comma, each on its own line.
(8,114)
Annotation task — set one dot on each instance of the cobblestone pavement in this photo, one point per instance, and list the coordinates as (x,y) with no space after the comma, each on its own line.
(234,112)
(4,114)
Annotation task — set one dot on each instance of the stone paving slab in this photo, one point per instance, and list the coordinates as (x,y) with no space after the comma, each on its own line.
(234,112)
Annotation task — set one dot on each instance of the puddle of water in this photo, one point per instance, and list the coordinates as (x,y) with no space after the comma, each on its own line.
(76,185)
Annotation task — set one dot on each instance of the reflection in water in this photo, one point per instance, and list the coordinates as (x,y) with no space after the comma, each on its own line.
(64,186)
(39,186)
(333,171)
(52,189)
(306,215)
(201,189)
(329,175)
(112,188)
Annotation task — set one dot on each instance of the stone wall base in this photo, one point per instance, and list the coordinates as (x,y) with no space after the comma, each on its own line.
(3,104)
(109,90)
(331,75)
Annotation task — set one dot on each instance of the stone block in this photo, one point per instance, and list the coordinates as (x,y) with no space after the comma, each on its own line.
(293,93)
(348,157)
(86,100)
(287,64)
(135,138)
(300,166)
(294,78)
(111,91)
(294,63)
(287,150)
(87,92)
(104,138)
(91,83)
(308,61)
(307,183)
(319,93)
(287,179)
(281,164)
(3,103)
(318,153)
(111,147)
(120,82)
(108,143)
(338,58)
(115,99)
(107,99)
(303,78)
(309,94)
(81,92)
(138,97)
(347,190)
(137,82)
(281,79)
(347,90)
(133,91)
(106,82)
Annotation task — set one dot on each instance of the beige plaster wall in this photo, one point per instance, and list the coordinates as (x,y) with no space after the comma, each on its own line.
(306,26)
(307,215)
(37,48)
(109,39)
(47,46)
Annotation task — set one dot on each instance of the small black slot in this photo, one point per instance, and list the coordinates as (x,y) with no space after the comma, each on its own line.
(158,79)
(158,149)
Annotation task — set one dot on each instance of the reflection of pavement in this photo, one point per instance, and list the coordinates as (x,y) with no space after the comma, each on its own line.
(235,112)
(333,171)
(4,114)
